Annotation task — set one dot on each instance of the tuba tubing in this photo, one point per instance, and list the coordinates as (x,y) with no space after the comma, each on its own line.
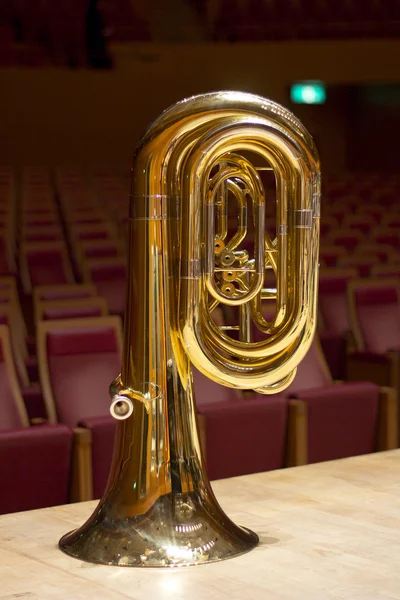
(197,158)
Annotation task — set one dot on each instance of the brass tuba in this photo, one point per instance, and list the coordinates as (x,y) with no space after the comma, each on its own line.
(197,159)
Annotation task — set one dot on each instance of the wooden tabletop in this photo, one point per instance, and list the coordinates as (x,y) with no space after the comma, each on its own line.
(330,530)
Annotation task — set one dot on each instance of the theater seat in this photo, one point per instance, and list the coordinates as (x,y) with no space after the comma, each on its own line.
(342,419)
(244,436)
(109,276)
(374,310)
(35,462)
(73,308)
(35,465)
(78,360)
(44,263)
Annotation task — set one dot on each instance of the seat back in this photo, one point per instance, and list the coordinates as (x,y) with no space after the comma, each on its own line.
(63,292)
(392,271)
(347,238)
(332,299)
(312,372)
(207,391)
(363,223)
(78,360)
(73,308)
(44,263)
(247,436)
(330,254)
(12,408)
(109,276)
(342,420)
(374,311)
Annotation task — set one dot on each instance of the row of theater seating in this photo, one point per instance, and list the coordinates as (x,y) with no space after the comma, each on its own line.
(65,33)
(313,420)
(223,414)
(258,20)
(65,232)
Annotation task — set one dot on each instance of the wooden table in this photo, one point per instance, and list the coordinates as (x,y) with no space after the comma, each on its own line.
(330,530)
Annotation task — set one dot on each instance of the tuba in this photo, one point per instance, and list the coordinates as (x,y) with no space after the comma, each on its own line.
(201,157)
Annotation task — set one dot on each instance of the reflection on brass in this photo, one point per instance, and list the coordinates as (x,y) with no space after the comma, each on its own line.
(199,159)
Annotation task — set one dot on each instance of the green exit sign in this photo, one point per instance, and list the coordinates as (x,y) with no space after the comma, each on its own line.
(308,92)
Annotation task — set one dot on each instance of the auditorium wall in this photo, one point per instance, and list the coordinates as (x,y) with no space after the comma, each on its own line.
(53,116)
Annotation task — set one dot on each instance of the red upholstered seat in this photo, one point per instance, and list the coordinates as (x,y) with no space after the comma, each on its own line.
(109,277)
(363,223)
(73,308)
(246,436)
(334,320)
(348,239)
(44,263)
(63,292)
(332,299)
(375,310)
(331,254)
(35,467)
(78,360)
(312,372)
(34,461)
(208,392)
(342,420)
(392,271)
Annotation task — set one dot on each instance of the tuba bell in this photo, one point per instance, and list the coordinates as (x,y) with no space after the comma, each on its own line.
(202,156)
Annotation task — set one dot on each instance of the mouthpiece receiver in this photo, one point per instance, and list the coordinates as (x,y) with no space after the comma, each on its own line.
(121,407)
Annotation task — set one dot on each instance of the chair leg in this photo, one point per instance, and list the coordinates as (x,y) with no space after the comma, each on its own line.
(82,476)
(297,447)
(388,438)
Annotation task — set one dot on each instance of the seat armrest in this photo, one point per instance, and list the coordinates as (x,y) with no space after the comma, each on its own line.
(296,453)
(388,438)
(82,476)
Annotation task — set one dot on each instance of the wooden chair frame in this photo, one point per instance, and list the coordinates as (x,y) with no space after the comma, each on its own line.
(18,343)
(10,366)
